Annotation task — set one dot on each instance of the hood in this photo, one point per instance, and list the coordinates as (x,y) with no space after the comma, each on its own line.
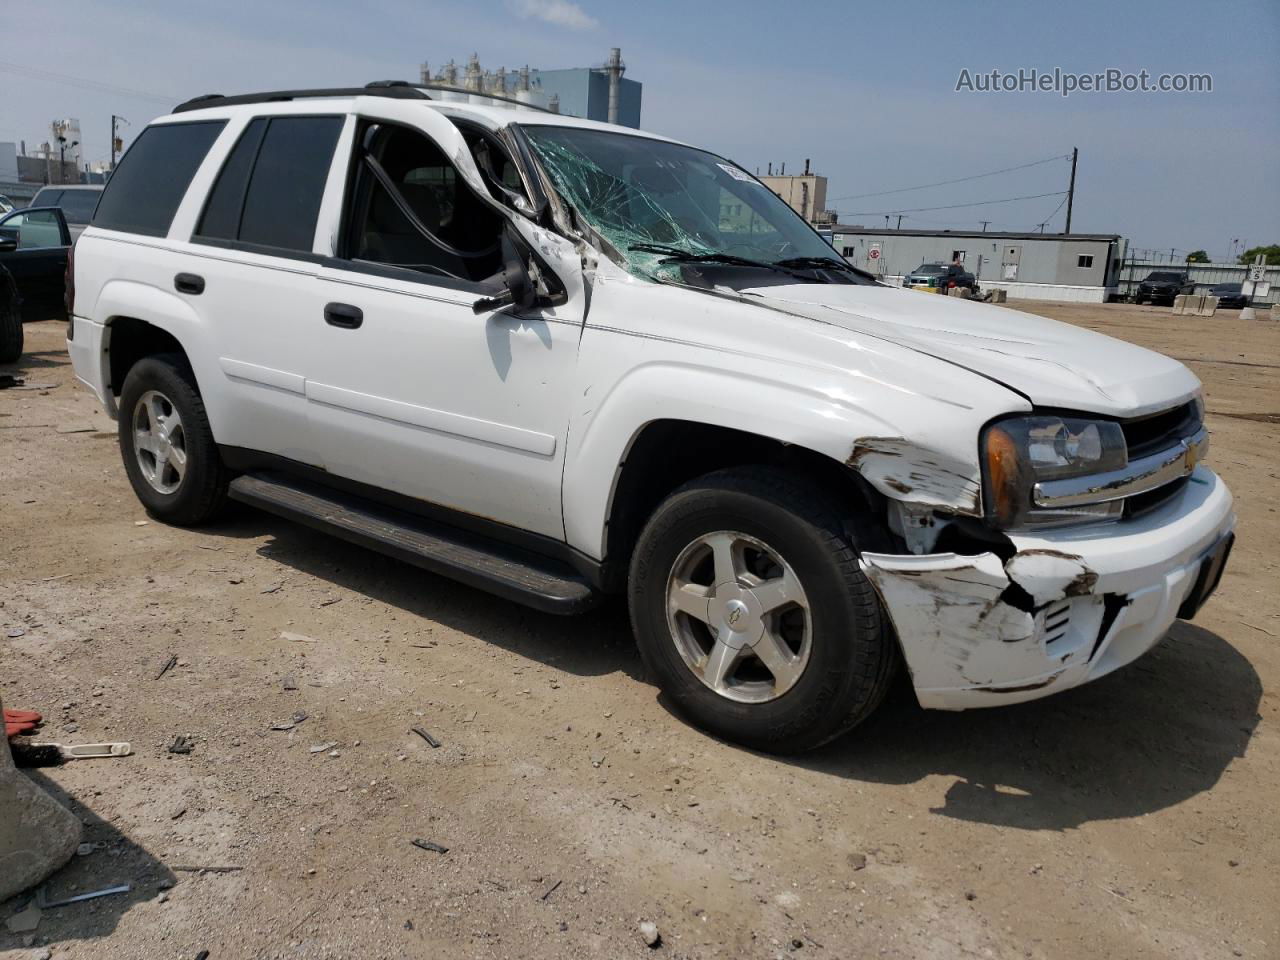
(1051,363)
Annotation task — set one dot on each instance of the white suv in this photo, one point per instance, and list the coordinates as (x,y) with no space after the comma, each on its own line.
(557,359)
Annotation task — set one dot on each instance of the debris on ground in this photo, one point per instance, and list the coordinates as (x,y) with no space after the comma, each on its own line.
(292,722)
(168,665)
(649,933)
(289,682)
(181,744)
(551,889)
(24,921)
(324,747)
(93,895)
(8,380)
(429,845)
(422,732)
(30,755)
(292,637)
(188,868)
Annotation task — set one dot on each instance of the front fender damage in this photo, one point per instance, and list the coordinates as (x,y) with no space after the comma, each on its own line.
(970,621)
(902,470)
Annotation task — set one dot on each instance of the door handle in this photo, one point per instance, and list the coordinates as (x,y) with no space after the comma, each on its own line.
(189,283)
(343,315)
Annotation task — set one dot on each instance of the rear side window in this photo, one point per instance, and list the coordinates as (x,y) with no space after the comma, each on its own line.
(46,198)
(270,189)
(144,192)
(77,205)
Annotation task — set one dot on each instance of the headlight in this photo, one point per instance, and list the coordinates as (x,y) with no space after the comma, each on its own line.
(1019,453)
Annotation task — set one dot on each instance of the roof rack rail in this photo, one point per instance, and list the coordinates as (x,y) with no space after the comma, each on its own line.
(394,89)
(480,93)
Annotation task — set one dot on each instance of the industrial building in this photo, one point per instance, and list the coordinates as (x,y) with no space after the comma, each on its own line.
(1083,267)
(594,93)
(805,193)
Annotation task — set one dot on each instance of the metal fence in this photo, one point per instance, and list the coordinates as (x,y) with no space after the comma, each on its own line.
(1204,275)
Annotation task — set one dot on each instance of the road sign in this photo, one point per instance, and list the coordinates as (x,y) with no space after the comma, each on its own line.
(874,252)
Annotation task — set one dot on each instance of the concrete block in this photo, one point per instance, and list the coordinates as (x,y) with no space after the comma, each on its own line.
(1183,304)
(997,296)
(1275,311)
(37,834)
(1208,306)
(961,292)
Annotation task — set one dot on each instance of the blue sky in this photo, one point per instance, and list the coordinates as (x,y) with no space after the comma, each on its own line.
(867,92)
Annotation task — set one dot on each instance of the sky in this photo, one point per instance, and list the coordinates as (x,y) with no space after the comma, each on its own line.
(867,92)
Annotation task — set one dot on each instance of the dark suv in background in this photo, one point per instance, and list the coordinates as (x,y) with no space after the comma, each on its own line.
(1161,286)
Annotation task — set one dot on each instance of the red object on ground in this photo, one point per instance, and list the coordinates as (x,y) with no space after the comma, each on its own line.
(18,722)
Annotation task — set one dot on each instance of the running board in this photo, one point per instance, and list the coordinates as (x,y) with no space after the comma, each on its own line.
(462,556)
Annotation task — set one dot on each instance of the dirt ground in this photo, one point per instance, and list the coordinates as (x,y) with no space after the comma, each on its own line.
(1135,817)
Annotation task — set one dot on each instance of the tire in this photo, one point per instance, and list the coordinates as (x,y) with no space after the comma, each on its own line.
(780,521)
(155,388)
(11,336)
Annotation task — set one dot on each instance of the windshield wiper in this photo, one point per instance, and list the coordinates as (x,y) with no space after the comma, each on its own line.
(825,263)
(676,255)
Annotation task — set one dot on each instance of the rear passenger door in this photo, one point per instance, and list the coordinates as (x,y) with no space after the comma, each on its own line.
(255,262)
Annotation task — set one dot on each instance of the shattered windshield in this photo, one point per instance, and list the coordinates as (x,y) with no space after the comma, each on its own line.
(635,191)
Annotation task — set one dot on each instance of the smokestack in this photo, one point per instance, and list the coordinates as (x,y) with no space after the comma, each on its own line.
(554,103)
(806,166)
(770,168)
(472,81)
(523,83)
(782,170)
(615,68)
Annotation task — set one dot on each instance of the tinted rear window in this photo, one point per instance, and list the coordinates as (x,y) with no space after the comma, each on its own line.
(46,198)
(77,205)
(144,192)
(287,183)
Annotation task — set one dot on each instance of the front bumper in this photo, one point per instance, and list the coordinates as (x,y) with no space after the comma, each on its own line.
(1070,606)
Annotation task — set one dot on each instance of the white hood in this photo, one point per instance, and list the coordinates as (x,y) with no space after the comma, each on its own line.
(1054,364)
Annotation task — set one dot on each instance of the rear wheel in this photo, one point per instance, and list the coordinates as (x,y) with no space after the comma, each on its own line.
(167,444)
(751,611)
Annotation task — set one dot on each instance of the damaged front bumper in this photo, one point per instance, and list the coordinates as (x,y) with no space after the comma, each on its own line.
(1068,607)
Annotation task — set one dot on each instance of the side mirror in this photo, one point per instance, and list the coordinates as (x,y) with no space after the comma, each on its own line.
(520,290)
(8,244)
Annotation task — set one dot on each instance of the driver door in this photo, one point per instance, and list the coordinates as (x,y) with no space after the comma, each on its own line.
(411,391)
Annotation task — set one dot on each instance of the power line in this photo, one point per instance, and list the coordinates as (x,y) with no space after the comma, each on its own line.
(943,183)
(950,206)
(86,83)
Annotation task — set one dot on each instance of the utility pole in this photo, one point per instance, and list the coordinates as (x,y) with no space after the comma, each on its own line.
(984,225)
(1071,189)
(886,221)
(899,221)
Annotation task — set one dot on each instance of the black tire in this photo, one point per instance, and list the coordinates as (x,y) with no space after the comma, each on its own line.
(202,490)
(11,336)
(853,655)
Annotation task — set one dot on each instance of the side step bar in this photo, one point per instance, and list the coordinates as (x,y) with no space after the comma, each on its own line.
(465,557)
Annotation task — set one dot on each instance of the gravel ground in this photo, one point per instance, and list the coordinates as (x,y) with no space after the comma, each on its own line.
(1132,818)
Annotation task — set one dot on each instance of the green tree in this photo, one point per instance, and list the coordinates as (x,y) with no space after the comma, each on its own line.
(1271,255)
(1197,256)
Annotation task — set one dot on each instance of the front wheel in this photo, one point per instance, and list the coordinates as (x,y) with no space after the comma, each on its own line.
(750,610)
(167,444)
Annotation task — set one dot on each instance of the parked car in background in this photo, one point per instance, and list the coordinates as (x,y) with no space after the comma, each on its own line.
(1161,286)
(33,258)
(6,204)
(1230,295)
(76,201)
(527,351)
(941,275)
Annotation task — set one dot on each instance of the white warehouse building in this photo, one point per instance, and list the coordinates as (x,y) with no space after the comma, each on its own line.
(1083,267)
